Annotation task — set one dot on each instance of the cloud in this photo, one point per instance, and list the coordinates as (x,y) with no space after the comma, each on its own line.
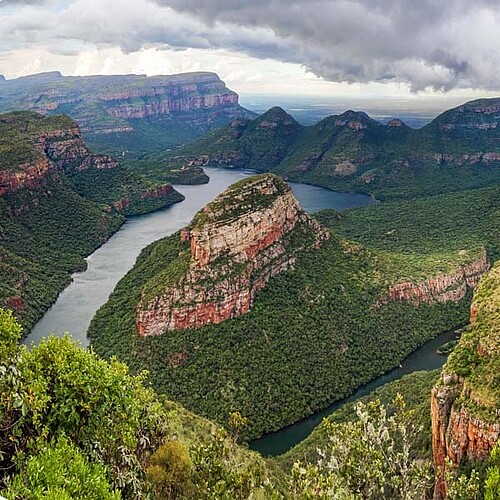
(425,44)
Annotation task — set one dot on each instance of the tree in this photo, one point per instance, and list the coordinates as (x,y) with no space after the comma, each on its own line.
(170,470)
(369,458)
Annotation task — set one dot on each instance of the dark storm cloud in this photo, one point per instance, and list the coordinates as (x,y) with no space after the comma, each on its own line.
(424,43)
(420,42)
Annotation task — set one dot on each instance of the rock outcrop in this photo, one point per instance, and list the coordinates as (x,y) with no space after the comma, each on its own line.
(105,105)
(54,152)
(242,239)
(42,150)
(450,287)
(465,404)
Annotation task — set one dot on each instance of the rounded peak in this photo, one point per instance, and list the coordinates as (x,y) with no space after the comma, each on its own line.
(277,115)
(396,123)
(2,78)
(355,120)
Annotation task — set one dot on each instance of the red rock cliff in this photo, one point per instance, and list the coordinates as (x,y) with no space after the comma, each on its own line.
(465,404)
(56,151)
(450,287)
(237,243)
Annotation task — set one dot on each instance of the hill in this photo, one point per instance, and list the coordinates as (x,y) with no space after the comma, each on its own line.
(58,202)
(458,150)
(246,311)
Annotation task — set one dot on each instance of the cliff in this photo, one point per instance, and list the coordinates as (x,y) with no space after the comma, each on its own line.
(450,287)
(233,247)
(465,404)
(109,109)
(58,202)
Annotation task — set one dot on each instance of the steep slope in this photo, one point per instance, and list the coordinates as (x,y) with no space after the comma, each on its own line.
(310,336)
(58,202)
(75,426)
(456,151)
(465,403)
(236,247)
(129,113)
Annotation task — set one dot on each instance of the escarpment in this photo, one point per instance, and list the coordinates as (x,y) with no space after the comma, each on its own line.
(232,248)
(465,404)
(58,203)
(450,287)
(132,113)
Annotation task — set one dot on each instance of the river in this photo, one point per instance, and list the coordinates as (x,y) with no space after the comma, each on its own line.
(424,358)
(90,289)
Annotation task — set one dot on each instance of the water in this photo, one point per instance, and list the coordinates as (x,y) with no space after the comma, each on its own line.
(77,304)
(424,358)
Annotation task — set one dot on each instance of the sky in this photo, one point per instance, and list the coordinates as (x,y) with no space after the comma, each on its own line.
(387,48)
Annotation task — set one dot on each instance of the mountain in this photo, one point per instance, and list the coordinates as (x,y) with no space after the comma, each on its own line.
(458,150)
(466,400)
(128,114)
(58,202)
(256,308)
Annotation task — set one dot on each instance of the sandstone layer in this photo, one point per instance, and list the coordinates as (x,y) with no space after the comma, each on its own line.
(236,245)
(465,404)
(104,104)
(450,287)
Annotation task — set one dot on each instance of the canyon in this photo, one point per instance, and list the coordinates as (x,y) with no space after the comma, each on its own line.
(120,113)
(58,202)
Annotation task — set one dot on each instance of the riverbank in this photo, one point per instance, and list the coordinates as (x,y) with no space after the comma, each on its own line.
(90,289)
(425,358)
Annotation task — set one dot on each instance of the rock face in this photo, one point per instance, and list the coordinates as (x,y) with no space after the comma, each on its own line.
(465,404)
(236,244)
(57,152)
(104,105)
(444,288)
(41,150)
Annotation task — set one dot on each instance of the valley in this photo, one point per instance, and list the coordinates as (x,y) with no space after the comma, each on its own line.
(243,304)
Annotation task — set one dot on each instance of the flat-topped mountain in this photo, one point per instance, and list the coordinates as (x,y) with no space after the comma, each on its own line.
(58,202)
(460,149)
(235,245)
(132,113)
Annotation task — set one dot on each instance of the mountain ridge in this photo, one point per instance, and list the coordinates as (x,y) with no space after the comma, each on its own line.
(458,150)
(128,114)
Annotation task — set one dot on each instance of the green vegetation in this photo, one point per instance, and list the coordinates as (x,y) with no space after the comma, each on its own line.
(367,458)
(241,197)
(19,133)
(45,243)
(101,104)
(75,426)
(48,226)
(415,389)
(351,151)
(260,364)
(476,358)
(445,225)
(480,481)
(153,166)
